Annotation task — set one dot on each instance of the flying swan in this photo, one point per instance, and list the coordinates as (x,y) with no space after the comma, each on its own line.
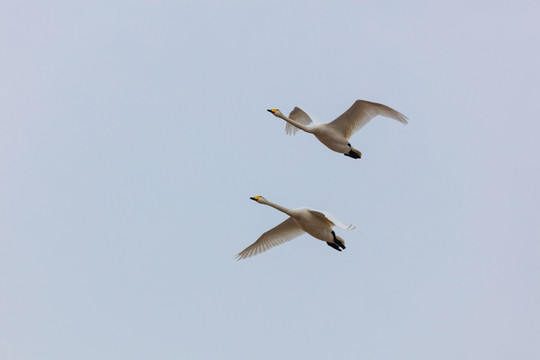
(335,135)
(302,220)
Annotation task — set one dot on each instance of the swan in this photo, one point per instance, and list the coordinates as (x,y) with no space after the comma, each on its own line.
(302,220)
(335,135)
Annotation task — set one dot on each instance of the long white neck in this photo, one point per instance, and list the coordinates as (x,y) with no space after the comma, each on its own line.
(283,209)
(294,123)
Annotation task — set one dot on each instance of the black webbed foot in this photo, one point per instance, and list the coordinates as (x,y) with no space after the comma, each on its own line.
(353,155)
(334,246)
(340,244)
(337,241)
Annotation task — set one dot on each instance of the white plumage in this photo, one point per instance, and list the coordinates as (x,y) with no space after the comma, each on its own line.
(335,135)
(302,220)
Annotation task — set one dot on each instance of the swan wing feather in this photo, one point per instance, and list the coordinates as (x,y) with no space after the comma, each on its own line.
(278,235)
(360,113)
(297,115)
(334,221)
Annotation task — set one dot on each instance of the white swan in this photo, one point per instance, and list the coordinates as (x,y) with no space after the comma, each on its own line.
(335,135)
(316,223)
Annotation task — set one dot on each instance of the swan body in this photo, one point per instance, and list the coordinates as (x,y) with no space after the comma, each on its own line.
(335,135)
(301,220)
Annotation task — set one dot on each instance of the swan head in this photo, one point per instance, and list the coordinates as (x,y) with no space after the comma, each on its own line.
(258,198)
(275,112)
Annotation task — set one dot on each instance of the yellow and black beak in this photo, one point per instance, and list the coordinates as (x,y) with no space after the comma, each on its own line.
(272,110)
(256,198)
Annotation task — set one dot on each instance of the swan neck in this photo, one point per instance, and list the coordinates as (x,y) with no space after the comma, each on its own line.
(294,123)
(283,209)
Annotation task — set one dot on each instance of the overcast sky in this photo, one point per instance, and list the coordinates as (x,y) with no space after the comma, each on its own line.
(132,134)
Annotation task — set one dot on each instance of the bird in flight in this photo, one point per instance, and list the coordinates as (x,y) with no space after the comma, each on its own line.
(335,134)
(316,223)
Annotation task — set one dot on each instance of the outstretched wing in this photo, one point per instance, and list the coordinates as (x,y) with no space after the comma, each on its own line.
(331,219)
(278,235)
(297,115)
(360,113)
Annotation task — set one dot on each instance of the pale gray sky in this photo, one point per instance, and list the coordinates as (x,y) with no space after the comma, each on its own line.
(133,133)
